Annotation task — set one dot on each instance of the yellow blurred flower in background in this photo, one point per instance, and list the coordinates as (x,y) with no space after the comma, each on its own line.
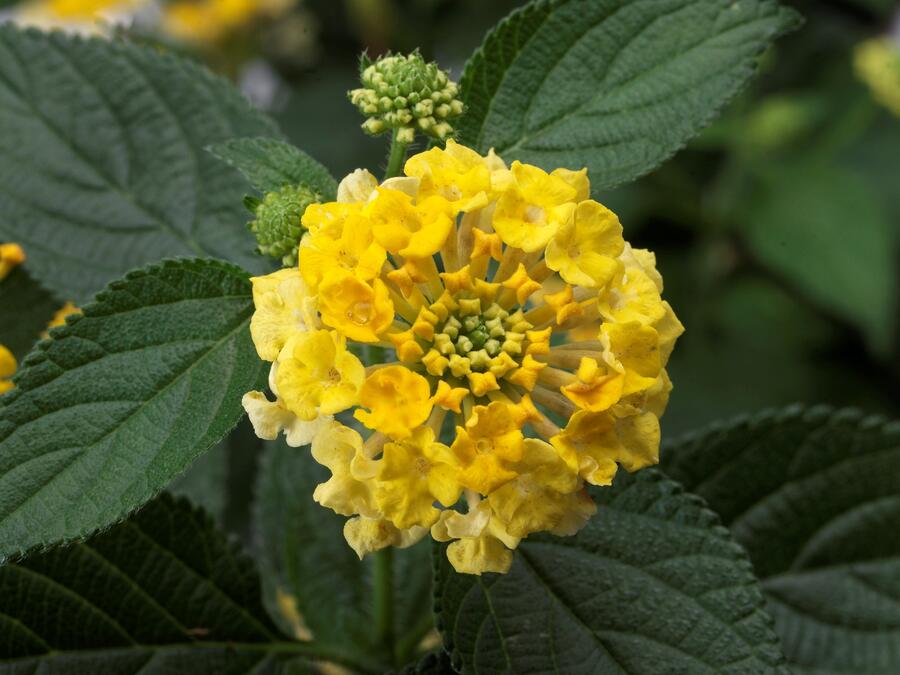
(87,17)
(211,21)
(7,369)
(877,63)
(11,256)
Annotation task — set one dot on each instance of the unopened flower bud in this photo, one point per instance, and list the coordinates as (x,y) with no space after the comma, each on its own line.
(404,93)
(277,225)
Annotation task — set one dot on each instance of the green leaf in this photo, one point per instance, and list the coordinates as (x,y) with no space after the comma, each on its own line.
(161,593)
(813,495)
(25,311)
(270,164)
(825,231)
(123,399)
(102,167)
(651,585)
(615,85)
(304,555)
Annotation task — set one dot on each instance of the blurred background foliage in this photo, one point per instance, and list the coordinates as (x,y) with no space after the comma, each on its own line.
(776,230)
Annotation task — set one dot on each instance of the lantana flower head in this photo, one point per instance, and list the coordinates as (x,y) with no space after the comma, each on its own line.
(466,347)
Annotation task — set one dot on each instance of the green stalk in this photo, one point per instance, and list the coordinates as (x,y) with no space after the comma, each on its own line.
(384,600)
(396,158)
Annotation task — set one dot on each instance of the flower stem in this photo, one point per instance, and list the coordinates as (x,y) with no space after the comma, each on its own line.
(384,600)
(396,157)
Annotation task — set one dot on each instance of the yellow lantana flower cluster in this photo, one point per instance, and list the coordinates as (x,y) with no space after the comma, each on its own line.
(211,21)
(516,345)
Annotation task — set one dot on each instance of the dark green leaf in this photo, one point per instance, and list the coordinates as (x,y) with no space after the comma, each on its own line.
(304,554)
(814,497)
(614,85)
(162,592)
(651,585)
(270,164)
(434,663)
(102,167)
(123,399)
(824,229)
(25,311)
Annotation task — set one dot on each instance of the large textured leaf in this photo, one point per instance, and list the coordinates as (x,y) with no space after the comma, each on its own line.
(825,230)
(162,592)
(614,85)
(102,167)
(304,555)
(814,497)
(25,310)
(123,399)
(270,164)
(652,585)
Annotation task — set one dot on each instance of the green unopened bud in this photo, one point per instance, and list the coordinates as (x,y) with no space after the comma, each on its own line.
(405,93)
(277,225)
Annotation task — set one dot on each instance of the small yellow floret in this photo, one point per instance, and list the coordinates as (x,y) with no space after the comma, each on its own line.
(533,207)
(488,447)
(317,375)
(399,401)
(597,443)
(283,307)
(359,310)
(412,475)
(456,174)
(585,249)
(413,230)
(335,447)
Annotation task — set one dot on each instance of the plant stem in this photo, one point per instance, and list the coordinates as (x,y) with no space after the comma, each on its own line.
(396,157)
(384,600)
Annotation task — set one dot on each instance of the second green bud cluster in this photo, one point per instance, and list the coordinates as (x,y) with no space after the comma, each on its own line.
(277,221)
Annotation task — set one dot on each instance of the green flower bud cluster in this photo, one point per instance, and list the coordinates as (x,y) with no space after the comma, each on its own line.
(277,225)
(405,93)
